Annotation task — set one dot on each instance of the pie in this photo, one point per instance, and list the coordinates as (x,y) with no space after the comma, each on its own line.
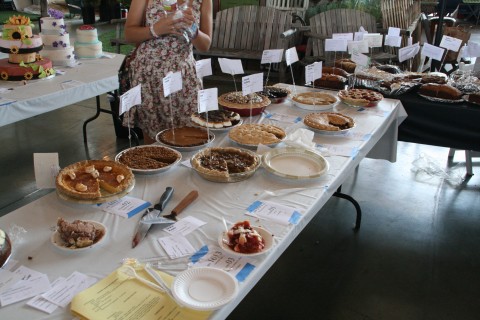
(360,97)
(216,119)
(79,234)
(222,162)
(275,94)
(255,134)
(238,101)
(91,179)
(329,121)
(244,239)
(149,157)
(315,98)
(184,137)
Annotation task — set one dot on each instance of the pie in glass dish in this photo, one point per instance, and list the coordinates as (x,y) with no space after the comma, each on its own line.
(328,121)
(92,179)
(360,97)
(237,102)
(255,134)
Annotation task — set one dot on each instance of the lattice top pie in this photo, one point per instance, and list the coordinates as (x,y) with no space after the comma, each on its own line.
(360,97)
(254,134)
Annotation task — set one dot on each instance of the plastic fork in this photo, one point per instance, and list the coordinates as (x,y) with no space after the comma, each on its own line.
(130,272)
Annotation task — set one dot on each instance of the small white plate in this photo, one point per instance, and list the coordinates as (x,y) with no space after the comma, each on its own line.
(267,237)
(308,164)
(58,242)
(204,288)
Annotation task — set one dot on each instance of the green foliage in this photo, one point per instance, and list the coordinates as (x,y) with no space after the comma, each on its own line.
(107,47)
(370,6)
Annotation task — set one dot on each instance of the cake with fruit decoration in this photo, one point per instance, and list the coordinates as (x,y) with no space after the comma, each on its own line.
(87,44)
(23,62)
(56,39)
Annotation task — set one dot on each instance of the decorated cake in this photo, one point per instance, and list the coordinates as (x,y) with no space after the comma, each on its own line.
(23,62)
(56,39)
(87,44)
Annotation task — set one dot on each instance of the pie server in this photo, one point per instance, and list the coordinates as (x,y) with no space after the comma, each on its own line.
(172,217)
(142,228)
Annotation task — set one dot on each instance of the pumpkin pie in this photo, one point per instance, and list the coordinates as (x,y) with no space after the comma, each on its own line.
(184,137)
(92,179)
(315,98)
(255,134)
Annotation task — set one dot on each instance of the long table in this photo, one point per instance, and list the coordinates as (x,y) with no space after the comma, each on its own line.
(378,138)
(440,124)
(92,77)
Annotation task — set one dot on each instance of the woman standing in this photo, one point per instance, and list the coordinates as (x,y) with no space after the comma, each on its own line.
(163,48)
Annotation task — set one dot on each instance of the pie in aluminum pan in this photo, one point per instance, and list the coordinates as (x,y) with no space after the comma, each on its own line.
(255,134)
(92,179)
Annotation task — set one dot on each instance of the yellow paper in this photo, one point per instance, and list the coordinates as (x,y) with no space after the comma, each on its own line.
(120,297)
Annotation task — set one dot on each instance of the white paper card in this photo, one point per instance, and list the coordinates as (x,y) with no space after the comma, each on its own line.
(64,291)
(360,59)
(252,83)
(358,36)
(204,68)
(291,56)
(408,52)
(313,72)
(172,83)
(272,56)
(342,36)
(375,40)
(339,45)
(472,50)
(434,52)
(231,66)
(43,304)
(282,117)
(176,246)
(357,46)
(274,212)
(208,100)
(8,279)
(184,226)
(393,41)
(126,206)
(130,98)
(31,283)
(46,169)
(392,31)
(450,43)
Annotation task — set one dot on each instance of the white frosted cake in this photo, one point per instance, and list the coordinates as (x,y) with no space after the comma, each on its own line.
(56,41)
(87,44)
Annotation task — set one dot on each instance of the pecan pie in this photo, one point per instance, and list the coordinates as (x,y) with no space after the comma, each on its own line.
(216,119)
(222,162)
(329,121)
(315,98)
(239,101)
(255,134)
(360,97)
(91,179)
(149,157)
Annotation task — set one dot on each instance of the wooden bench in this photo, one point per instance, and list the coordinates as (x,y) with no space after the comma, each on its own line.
(244,32)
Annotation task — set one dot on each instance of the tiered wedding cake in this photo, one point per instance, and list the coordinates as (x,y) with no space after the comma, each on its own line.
(87,44)
(23,62)
(56,39)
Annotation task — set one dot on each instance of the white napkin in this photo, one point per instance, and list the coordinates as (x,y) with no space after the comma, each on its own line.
(301,137)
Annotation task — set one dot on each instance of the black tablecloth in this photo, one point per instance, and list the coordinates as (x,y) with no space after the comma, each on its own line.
(440,124)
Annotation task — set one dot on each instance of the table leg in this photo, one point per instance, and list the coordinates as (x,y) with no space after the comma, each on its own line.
(358,220)
(99,109)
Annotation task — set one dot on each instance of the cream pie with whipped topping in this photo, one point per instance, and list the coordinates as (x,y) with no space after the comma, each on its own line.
(216,119)
(91,179)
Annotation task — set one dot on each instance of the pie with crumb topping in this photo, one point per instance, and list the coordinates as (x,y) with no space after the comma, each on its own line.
(149,157)
(92,179)
(255,134)
(239,101)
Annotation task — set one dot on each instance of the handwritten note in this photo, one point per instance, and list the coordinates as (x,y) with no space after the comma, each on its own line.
(176,246)
(184,226)
(203,68)
(208,99)
(272,56)
(252,83)
(130,98)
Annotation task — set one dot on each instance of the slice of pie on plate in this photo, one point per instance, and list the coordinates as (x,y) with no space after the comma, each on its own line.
(92,179)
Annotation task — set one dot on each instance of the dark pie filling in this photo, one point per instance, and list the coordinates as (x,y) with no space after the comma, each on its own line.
(226,161)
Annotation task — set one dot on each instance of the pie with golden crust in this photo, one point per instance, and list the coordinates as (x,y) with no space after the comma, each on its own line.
(329,121)
(255,134)
(238,101)
(360,97)
(222,162)
(91,179)
(315,98)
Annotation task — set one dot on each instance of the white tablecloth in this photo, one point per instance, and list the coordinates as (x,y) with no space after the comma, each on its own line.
(216,200)
(93,76)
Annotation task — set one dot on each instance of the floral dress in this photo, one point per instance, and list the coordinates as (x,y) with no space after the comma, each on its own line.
(154,59)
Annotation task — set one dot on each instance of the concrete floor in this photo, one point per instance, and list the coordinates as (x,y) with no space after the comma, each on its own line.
(415,257)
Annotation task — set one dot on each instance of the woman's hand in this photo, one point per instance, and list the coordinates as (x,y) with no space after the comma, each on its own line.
(167,25)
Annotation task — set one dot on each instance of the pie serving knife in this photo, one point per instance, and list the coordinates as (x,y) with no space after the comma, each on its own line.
(142,228)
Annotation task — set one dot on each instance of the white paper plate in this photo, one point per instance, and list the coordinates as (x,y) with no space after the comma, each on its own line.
(308,164)
(58,242)
(151,171)
(204,288)
(267,237)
